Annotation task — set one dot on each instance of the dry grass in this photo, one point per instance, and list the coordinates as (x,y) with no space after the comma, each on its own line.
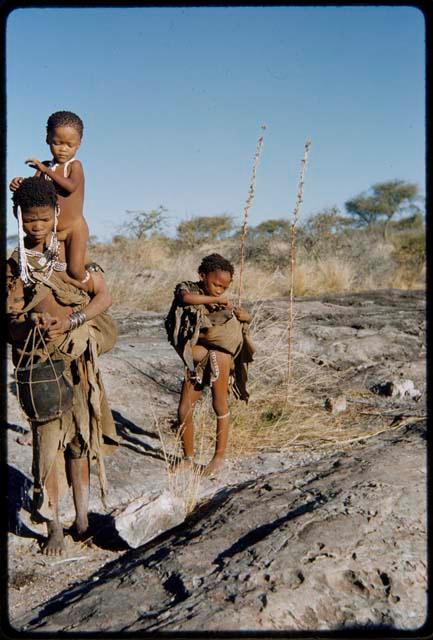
(277,420)
(143,273)
(184,484)
(281,417)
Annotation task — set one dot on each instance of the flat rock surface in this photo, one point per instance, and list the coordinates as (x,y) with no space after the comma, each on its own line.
(358,340)
(340,544)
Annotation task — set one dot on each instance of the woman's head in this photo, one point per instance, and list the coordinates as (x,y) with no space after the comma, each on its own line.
(37,200)
(216,274)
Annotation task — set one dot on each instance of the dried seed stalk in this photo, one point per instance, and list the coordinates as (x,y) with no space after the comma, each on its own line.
(295,218)
(247,208)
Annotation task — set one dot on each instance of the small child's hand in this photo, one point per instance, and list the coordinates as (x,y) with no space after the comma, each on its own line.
(35,164)
(242,314)
(15,183)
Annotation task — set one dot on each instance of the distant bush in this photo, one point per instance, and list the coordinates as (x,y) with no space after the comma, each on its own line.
(143,224)
(409,253)
(199,229)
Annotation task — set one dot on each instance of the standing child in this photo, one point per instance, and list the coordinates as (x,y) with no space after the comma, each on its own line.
(64,135)
(212,339)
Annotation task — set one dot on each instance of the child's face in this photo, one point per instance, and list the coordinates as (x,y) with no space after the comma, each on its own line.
(216,282)
(64,143)
(38,222)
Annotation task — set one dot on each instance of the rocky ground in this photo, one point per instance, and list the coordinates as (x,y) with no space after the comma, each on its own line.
(278,534)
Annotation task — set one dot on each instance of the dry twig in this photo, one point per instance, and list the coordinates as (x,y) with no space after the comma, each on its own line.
(295,218)
(248,205)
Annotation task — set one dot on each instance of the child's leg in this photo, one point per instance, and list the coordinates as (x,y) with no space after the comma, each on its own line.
(76,250)
(55,545)
(220,404)
(188,398)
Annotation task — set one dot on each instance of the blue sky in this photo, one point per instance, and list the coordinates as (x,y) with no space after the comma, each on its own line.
(172,101)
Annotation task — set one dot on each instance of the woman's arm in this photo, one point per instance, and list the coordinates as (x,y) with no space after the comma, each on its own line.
(100,302)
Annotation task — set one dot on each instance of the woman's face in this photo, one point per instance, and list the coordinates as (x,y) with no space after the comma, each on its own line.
(38,222)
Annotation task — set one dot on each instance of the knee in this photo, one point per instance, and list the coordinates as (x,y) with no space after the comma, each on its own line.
(220,405)
(76,448)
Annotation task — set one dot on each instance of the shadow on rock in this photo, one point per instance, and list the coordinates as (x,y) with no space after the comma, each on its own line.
(124,427)
(17,428)
(102,533)
(19,486)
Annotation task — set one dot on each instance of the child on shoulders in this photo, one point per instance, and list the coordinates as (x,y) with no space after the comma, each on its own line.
(64,135)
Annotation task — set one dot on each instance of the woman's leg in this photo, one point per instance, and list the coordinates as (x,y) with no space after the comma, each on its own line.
(55,544)
(220,403)
(79,474)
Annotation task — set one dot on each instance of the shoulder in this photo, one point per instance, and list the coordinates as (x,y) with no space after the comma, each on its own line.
(185,287)
(76,168)
(12,263)
(189,286)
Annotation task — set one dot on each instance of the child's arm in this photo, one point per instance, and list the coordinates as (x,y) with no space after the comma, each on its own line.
(197,298)
(242,314)
(69,184)
(98,304)
(15,182)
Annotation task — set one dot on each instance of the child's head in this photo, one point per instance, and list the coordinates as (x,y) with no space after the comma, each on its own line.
(37,200)
(216,273)
(64,134)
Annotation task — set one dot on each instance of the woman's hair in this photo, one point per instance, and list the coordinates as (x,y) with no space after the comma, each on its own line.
(65,119)
(35,192)
(215,262)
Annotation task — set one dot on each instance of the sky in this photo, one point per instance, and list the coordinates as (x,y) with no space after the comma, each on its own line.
(173,99)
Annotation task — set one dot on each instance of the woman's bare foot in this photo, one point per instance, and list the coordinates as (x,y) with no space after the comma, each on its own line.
(80,529)
(215,465)
(26,438)
(55,545)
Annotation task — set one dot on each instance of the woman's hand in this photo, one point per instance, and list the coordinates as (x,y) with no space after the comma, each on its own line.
(42,320)
(57,328)
(242,314)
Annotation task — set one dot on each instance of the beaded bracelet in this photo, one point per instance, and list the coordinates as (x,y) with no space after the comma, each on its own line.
(77,319)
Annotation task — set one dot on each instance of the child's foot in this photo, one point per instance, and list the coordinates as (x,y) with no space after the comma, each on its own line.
(26,438)
(214,466)
(55,545)
(186,464)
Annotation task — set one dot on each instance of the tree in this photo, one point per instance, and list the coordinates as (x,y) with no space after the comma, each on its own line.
(324,231)
(385,201)
(204,229)
(145,222)
(272,228)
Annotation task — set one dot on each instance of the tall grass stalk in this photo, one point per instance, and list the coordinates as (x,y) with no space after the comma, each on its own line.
(248,205)
(295,218)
